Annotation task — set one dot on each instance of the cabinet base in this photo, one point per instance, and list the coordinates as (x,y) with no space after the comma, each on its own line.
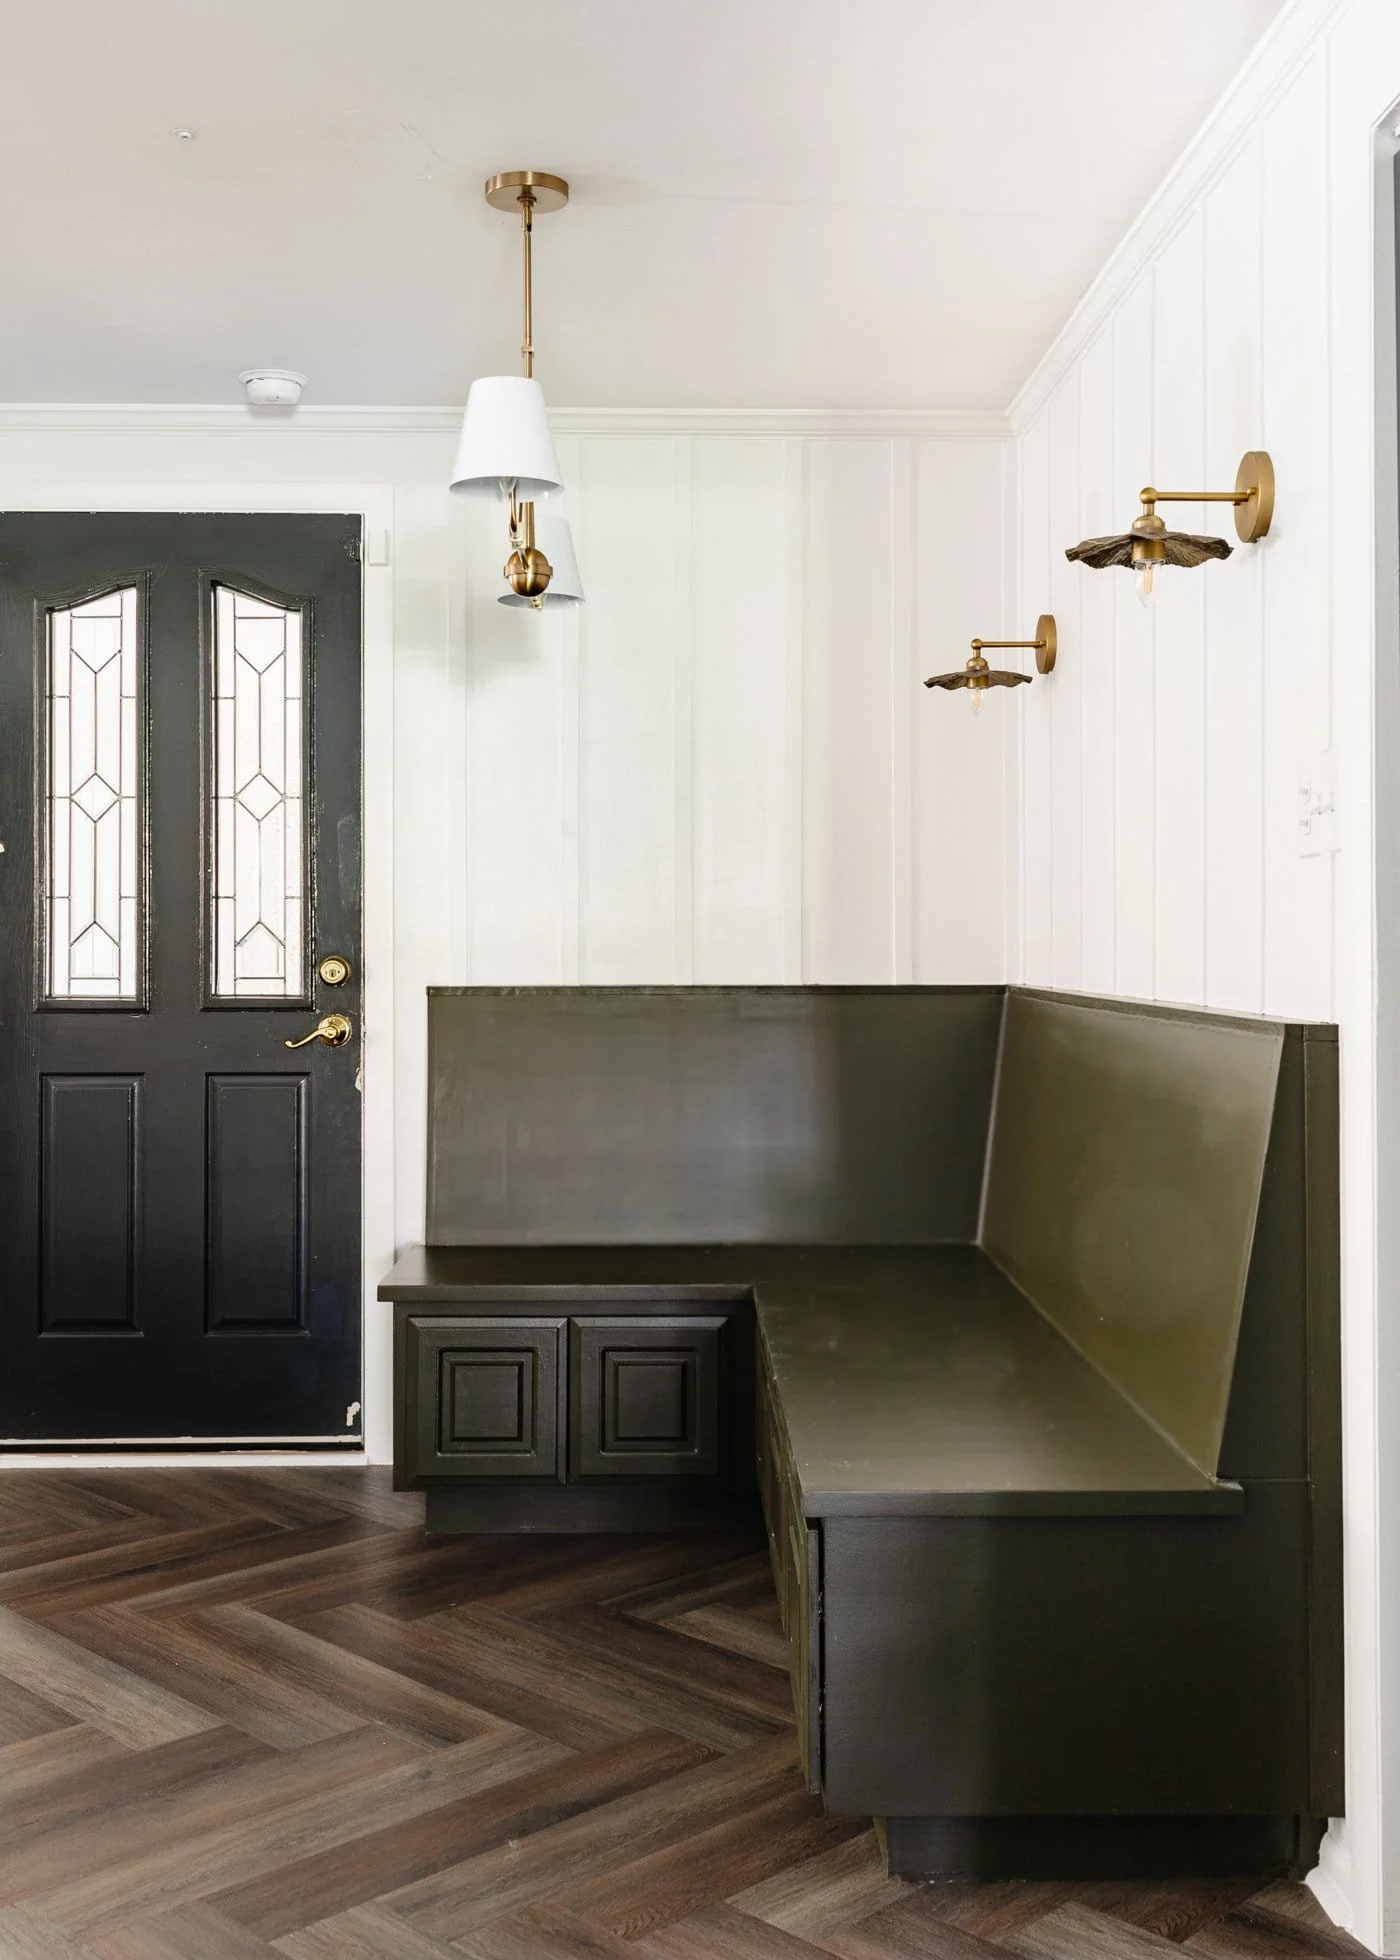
(590,1507)
(1099,1847)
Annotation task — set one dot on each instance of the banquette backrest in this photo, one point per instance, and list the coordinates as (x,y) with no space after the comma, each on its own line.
(708,1115)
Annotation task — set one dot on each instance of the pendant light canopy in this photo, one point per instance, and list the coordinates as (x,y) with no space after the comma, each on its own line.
(506,449)
(565,587)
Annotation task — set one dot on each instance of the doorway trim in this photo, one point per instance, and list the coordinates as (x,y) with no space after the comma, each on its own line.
(373,503)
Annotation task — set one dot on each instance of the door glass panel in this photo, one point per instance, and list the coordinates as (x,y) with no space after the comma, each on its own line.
(257,790)
(92,795)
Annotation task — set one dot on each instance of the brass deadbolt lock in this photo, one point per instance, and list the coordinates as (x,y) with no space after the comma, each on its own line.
(334,970)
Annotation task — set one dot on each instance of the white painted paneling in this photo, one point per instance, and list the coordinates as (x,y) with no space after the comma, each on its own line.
(849,565)
(1037,719)
(1061,696)
(1091,671)
(1234,799)
(742,600)
(961,565)
(1176,841)
(1135,772)
(1178,462)
(513,735)
(633,661)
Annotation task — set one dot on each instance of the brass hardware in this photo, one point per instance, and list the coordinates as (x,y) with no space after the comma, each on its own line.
(1148,543)
(502,191)
(334,1029)
(527,570)
(334,970)
(978,676)
(1254,496)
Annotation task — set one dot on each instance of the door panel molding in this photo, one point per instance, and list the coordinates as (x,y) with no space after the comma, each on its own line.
(257,1202)
(89,1151)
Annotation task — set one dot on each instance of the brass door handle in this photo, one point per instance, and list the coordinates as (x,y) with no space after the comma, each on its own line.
(334,1029)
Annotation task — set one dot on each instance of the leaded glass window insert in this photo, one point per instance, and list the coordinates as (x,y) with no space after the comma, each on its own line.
(93,789)
(259,768)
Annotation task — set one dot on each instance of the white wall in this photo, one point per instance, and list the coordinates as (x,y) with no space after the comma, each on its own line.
(711,771)
(722,768)
(1155,808)
(1159,805)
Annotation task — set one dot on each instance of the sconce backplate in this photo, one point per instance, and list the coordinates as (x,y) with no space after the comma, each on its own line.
(1049,642)
(1256,475)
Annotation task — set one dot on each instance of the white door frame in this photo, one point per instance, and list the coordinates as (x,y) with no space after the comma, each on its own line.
(374,503)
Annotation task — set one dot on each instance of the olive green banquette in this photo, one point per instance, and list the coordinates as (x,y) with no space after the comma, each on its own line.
(1018,1309)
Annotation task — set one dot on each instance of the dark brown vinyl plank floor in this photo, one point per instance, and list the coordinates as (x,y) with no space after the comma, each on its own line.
(255,1712)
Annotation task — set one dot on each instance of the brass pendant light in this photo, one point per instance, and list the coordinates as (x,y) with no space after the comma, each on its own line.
(1147,543)
(977,676)
(506,448)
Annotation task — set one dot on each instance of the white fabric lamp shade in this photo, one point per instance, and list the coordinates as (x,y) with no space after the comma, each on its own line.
(555,540)
(505,439)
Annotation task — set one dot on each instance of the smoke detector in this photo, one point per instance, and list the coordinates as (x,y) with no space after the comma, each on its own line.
(273,387)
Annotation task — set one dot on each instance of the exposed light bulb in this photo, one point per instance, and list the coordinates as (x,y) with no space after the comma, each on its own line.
(974,695)
(1144,581)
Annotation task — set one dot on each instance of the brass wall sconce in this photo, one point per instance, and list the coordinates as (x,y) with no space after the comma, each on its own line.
(1147,543)
(977,676)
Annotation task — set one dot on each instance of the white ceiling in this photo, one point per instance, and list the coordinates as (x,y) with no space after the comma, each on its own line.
(777,203)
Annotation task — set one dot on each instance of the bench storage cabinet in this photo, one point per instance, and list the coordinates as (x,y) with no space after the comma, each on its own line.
(1019,1311)
(499,1406)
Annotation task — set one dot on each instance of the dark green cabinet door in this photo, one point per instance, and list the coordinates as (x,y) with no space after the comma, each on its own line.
(645,1396)
(484,1398)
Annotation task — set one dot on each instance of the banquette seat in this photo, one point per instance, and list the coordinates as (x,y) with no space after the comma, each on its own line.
(1019,1310)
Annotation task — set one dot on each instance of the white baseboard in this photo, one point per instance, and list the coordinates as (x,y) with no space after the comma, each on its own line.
(1329,1881)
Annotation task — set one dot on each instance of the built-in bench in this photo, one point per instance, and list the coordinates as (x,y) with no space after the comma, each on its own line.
(1021,1310)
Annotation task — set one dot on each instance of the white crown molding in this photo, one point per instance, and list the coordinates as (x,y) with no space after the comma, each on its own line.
(861,423)
(1267,72)
(236,419)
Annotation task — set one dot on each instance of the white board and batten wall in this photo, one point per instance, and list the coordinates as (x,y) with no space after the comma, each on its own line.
(1157,797)
(722,769)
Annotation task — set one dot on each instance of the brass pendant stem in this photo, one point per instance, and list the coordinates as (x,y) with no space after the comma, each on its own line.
(522,523)
(527,227)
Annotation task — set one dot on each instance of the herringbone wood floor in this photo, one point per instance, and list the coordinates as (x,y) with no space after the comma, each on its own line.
(253,1713)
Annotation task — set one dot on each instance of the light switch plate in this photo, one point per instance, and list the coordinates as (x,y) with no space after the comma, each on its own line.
(1317,805)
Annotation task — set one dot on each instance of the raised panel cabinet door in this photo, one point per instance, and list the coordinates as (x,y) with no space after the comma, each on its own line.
(485,1397)
(644,1396)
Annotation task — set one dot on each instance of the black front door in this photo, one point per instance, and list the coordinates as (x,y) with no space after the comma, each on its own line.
(179,899)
